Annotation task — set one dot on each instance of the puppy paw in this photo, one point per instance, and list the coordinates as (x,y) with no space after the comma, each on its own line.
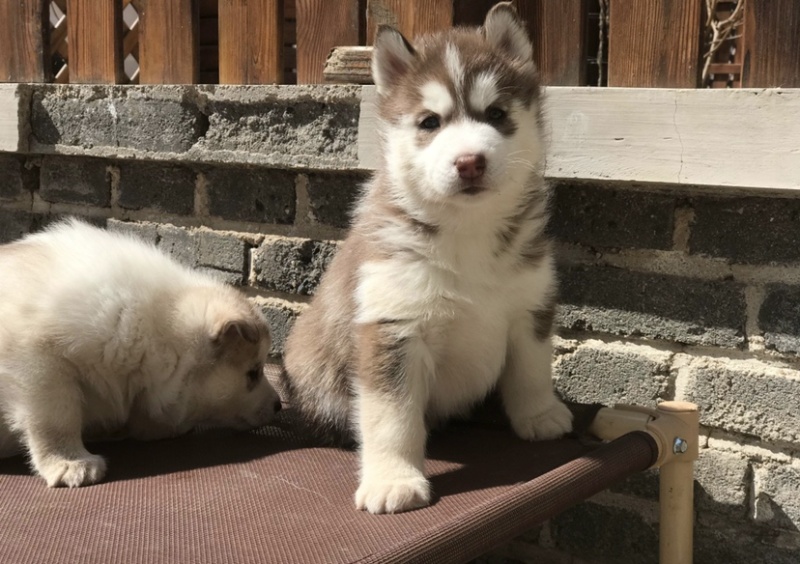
(73,473)
(552,423)
(388,495)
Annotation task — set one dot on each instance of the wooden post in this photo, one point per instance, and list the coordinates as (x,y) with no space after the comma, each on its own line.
(250,41)
(168,42)
(772,44)
(95,41)
(411,17)
(557,30)
(321,26)
(654,44)
(24,45)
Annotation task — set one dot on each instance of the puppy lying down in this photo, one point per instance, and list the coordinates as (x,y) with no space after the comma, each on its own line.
(101,334)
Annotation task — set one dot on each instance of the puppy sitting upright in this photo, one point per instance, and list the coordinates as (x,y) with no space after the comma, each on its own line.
(102,334)
(444,288)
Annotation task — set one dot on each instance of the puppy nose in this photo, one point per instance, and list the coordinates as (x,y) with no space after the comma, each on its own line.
(277,407)
(470,167)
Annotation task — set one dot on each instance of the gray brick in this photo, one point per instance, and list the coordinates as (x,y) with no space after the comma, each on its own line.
(605,534)
(11,172)
(145,231)
(14,224)
(596,216)
(740,544)
(178,243)
(747,230)
(777,495)
(745,396)
(166,187)
(75,180)
(224,252)
(779,318)
(333,196)
(224,276)
(302,126)
(613,373)
(643,485)
(151,118)
(721,482)
(252,194)
(655,306)
(281,318)
(292,265)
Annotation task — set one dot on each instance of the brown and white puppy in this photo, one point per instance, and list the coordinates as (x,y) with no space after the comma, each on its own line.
(444,288)
(102,334)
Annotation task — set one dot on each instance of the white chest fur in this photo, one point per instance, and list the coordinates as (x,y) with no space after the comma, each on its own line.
(456,314)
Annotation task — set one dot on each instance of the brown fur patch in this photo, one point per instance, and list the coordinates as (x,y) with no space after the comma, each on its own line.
(382,358)
(516,80)
(543,320)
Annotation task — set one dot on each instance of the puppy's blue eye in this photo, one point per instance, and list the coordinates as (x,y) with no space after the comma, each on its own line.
(430,123)
(495,114)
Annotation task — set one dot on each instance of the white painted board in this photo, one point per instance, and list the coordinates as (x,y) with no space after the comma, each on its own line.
(10,118)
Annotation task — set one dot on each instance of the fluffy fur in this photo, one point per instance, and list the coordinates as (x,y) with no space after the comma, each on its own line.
(101,334)
(444,288)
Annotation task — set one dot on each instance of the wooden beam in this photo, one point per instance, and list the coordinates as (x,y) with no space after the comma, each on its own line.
(349,65)
(654,44)
(321,26)
(250,41)
(659,136)
(24,45)
(772,44)
(557,30)
(411,17)
(168,41)
(95,41)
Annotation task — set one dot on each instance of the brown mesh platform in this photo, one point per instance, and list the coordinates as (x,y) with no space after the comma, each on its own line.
(270,497)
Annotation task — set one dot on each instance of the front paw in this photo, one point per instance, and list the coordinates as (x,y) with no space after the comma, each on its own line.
(551,423)
(393,495)
(74,473)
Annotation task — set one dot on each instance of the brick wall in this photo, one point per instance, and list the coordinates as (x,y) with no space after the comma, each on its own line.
(666,293)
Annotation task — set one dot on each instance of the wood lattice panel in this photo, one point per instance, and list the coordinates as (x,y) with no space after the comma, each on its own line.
(59,41)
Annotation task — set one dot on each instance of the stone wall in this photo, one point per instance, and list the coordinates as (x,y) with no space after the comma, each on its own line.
(666,292)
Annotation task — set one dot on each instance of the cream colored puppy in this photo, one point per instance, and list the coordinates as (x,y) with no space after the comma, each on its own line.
(102,334)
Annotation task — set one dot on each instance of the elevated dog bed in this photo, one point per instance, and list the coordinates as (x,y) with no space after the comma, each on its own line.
(273,496)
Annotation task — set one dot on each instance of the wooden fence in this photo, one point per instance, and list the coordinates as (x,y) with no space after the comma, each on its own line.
(644,43)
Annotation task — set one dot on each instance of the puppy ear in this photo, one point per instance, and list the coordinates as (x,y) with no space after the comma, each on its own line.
(232,330)
(391,57)
(505,31)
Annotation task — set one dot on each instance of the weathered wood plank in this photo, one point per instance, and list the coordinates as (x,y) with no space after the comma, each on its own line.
(473,12)
(168,41)
(772,44)
(321,26)
(349,65)
(95,41)
(250,41)
(654,44)
(661,136)
(24,45)
(557,30)
(411,17)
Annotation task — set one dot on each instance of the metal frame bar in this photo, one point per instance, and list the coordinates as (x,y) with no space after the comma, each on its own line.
(675,427)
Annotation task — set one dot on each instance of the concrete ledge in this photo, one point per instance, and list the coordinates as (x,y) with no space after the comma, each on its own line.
(709,138)
(293,127)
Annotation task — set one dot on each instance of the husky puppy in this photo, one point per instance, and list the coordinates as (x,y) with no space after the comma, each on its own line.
(102,334)
(444,288)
